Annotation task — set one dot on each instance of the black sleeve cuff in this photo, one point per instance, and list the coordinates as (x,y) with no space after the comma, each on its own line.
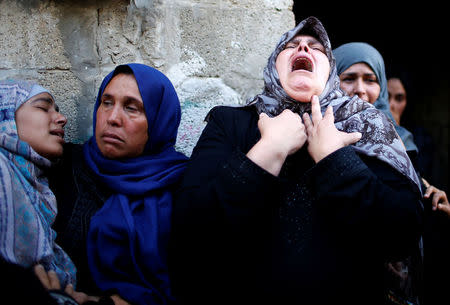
(335,169)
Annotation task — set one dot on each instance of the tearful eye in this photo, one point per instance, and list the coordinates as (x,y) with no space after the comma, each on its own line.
(302,63)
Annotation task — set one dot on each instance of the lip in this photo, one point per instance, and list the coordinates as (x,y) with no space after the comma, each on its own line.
(302,55)
(57,132)
(111,137)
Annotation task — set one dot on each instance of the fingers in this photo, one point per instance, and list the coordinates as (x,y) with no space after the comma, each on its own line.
(53,279)
(48,279)
(69,289)
(350,138)
(316,114)
(42,276)
(425,182)
(307,122)
(329,114)
(439,197)
(444,208)
(430,189)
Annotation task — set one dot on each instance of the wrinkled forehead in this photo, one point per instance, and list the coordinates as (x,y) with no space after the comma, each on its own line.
(307,38)
(308,27)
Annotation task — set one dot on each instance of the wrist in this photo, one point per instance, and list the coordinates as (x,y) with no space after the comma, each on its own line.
(267,156)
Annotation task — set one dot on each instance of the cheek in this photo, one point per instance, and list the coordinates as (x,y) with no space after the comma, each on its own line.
(139,132)
(279,66)
(373,93)
(99,122)
(324,69)
(347,88)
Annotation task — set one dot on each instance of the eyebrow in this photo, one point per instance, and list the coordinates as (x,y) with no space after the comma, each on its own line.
(309,40)
(44,99)
(355,73)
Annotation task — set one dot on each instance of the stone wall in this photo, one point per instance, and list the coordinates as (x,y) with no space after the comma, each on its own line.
(213,51)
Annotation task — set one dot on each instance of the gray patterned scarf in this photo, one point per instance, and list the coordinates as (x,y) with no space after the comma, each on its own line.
(379,138)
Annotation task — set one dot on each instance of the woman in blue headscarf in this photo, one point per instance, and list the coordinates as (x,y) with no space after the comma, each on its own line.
(351,54)
(121,192)
(31,138)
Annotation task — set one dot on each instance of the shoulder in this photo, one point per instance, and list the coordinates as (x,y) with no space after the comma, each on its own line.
(234,119)
(229,127)
(231,113)
(387,173)
(6,173)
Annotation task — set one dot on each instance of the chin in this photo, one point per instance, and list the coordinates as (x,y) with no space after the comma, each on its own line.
(301,97)
(301,92)
(110,154)
(52,155)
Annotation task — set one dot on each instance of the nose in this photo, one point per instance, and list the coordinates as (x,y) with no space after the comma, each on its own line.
(115,117)
(360,89)
(303,46)
(60,119)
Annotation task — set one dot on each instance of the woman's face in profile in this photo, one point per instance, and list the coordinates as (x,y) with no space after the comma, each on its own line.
(303,68)
(359,79)
(121,129)
(40,124)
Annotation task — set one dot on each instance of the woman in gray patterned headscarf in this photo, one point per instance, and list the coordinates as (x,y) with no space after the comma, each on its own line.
(297,197)
(379,138)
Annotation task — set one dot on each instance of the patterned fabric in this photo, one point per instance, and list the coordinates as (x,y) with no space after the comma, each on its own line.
(359,52)
(379,138)
(27,205)
(128,236)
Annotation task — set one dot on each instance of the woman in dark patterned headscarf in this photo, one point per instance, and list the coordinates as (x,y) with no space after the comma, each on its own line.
(350,114)
(297,197)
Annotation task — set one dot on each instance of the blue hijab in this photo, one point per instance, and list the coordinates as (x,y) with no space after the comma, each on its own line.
(359,52)
(128,236)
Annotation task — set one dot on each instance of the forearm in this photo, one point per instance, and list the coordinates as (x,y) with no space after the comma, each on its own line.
(267,157)
(360,200)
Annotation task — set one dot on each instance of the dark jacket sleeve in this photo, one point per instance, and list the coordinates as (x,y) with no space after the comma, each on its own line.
(361,195)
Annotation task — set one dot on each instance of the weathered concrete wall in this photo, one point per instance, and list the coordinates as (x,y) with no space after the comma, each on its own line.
(213,51)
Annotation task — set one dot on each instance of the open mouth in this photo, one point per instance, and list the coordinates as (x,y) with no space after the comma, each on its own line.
(302,63)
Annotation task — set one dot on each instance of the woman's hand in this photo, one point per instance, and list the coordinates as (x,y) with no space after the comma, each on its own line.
(50,281)
(281,136)
(439,199)
(323,137)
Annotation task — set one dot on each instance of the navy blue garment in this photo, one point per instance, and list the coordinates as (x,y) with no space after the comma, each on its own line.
(128,236)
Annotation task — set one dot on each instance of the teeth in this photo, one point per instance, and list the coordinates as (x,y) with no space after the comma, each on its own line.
(302,63)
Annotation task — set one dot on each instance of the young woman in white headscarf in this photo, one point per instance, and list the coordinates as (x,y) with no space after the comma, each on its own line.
(297,197)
